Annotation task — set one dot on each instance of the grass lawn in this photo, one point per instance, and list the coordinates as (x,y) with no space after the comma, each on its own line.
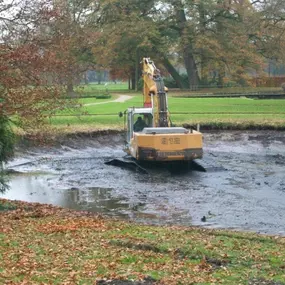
(123,86)
(215,112)
(227,90)
(41,244)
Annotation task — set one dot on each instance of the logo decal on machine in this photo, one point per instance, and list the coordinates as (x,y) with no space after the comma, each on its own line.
(167,141)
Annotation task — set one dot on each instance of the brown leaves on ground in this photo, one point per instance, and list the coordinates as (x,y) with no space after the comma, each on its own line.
(71,224)
(42,244)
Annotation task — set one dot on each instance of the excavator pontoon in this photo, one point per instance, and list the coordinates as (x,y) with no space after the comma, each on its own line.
(158,140)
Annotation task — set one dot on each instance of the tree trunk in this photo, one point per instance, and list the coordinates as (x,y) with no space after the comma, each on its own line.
(204,71)
(137,66)
(133,80)
(105,77)
(204,60)
(85,77)
(175,75)
(70,90)
(191,68)
(221,65)
(221,75)
(186,45)
(99,77)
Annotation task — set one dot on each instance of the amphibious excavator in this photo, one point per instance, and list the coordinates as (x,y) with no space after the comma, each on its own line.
(150,135)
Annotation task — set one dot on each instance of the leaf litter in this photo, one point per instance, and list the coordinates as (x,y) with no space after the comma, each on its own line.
(43,244)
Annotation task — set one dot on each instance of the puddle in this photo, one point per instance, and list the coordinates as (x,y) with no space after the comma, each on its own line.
(37,188)
(244,187)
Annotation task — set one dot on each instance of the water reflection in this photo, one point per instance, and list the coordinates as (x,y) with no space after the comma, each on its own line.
(95,199)
(31,189)
(38,188)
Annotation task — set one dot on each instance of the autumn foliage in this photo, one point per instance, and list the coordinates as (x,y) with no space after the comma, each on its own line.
(24,93)
(39,59)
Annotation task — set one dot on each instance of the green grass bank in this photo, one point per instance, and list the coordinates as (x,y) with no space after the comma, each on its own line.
(213,113)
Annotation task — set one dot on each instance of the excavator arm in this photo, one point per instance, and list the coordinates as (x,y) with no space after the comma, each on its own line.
(155,93)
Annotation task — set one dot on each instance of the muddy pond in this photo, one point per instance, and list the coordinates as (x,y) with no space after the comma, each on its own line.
(243,188)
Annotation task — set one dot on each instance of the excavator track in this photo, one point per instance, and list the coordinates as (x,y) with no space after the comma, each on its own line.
(130,165)
(144,167)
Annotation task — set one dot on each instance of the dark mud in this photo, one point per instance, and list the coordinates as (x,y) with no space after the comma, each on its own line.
(243,188)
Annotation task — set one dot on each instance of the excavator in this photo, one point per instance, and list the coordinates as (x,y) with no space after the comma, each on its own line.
(150,136)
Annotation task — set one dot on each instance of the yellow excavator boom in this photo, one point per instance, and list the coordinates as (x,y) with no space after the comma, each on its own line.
(154,93)
(149,84)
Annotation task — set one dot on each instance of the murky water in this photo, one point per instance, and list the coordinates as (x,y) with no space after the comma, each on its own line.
(243,188)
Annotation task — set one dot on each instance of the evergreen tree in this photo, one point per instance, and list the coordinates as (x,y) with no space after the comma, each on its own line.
(6,147)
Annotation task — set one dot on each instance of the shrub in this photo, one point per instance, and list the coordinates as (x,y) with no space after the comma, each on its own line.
(6,147)
(107,96)
(169,82)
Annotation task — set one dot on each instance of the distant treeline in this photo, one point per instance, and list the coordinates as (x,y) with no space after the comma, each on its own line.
(275,81)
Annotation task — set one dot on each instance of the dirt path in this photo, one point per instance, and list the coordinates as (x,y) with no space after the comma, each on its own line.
(120,99)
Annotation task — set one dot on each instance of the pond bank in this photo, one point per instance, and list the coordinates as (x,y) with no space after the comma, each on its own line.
(42,244)
(59,135)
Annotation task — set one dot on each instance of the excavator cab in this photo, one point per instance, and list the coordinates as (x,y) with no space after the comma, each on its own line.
(133,115)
